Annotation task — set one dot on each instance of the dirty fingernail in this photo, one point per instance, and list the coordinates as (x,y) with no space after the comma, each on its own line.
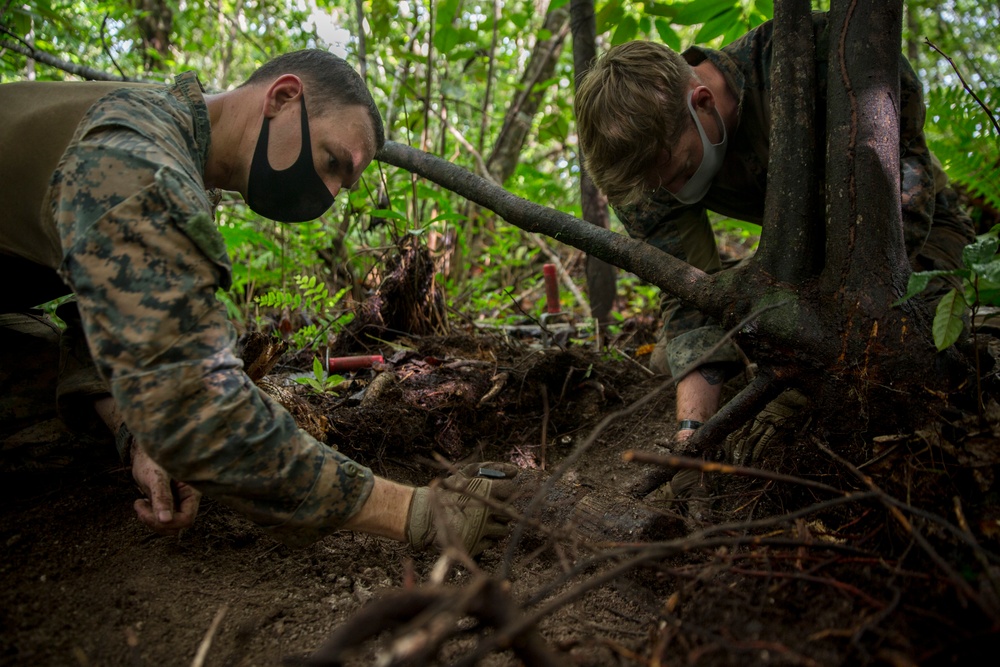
(165,516)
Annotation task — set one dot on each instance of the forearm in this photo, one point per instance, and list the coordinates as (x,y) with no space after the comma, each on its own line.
(209,426)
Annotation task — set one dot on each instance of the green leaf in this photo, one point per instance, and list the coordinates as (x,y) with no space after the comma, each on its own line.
(989,271)
(982,250)
(702,11)
(948,323)
(989,294)
(608,16)
(919,280)
(719,26)
(668,34)
(765,7)
(446,39)
(626,30)
(661,9)
(387,213)
(735,31)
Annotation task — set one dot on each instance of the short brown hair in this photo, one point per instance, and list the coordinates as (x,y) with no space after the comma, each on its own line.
(331,82)
(630,106)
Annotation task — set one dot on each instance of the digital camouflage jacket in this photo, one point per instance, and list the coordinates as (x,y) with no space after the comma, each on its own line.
(142,253)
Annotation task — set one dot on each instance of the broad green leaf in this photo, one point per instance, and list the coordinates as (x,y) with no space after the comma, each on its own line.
(608,16)
(988,295)
(736,30)
(626,30)
(661,9)
(447,11)
(519,19)
(702,11)
(318,369)
(668,34)
(446,39)
(918,283)
(982,250)
(948,323)
(387,213)
(989,271)
(765,7)
(719,25)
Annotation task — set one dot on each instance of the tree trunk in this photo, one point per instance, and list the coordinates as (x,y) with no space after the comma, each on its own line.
(601,278)
(155,21)
(541,65)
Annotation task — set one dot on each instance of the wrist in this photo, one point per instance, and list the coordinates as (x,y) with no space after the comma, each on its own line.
(689,425)
(124,443)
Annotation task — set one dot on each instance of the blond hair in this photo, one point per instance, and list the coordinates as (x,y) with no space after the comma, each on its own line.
(630,107)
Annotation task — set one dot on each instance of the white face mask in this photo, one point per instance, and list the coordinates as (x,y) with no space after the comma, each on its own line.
(712,156)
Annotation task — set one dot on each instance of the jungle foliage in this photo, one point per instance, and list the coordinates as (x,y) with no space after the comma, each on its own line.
(453,77)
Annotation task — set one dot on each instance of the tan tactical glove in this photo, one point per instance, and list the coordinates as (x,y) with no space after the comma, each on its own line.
(745,447)
(689,486)
(441,511)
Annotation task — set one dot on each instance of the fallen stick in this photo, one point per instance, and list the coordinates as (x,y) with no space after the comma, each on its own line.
(206,643)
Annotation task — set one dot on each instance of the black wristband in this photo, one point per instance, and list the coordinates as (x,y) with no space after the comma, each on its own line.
(688,424)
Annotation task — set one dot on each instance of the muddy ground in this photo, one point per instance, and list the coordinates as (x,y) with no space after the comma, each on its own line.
(779,572)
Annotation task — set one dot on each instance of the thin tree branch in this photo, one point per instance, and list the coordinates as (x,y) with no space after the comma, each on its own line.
(965,85)
(684,462)
(652,265)
(29,51)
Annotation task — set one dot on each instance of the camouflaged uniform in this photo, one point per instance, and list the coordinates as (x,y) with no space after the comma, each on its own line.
(139,247)
(935,229)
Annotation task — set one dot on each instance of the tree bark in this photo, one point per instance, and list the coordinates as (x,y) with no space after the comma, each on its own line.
(791,248)
(541,65)
(601,278)
(155,21)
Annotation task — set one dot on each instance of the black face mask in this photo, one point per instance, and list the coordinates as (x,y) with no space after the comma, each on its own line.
(296,194)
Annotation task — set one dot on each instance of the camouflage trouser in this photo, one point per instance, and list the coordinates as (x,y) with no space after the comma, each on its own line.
(46,372)
(686,334)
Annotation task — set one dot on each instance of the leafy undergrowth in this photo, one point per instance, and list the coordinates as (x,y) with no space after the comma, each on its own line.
(835,548)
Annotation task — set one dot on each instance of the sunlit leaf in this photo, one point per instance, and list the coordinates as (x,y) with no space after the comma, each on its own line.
(446,39)
(608,16)
(702,11)
(661,9)
(765,7)
(668,34)
(719,25)
(626,30)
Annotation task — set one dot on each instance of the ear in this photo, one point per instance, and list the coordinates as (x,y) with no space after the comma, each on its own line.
(702,99)
(281,92)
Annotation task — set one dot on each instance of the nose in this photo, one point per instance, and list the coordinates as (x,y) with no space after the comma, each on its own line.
(334,185)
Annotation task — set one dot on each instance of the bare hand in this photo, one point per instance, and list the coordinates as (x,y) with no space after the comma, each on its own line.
(169,506)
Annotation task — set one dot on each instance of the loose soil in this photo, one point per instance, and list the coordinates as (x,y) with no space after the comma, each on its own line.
(798,574)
